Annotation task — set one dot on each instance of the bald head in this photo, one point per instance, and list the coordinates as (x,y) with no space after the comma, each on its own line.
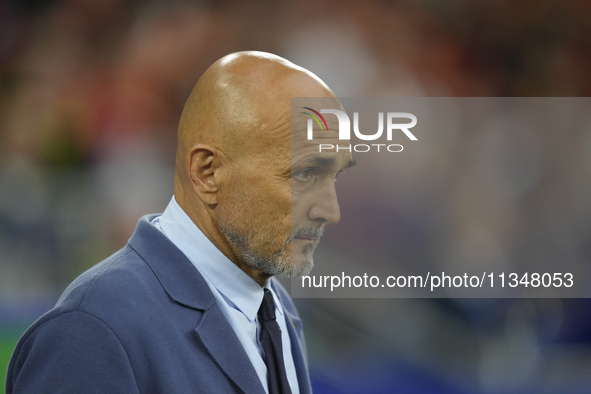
(234,172)
(241,98)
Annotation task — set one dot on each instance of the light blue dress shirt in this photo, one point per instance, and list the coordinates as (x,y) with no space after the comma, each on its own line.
(237,294)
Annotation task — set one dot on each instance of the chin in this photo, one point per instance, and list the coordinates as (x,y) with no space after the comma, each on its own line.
(300,266)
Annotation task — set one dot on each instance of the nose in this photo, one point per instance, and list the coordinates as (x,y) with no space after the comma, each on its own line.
(325,207)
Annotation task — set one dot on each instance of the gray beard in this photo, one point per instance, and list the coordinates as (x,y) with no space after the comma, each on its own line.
(277,264)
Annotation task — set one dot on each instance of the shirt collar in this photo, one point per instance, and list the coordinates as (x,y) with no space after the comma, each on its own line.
(234,284)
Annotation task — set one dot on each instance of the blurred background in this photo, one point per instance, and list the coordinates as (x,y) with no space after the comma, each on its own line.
(91,92)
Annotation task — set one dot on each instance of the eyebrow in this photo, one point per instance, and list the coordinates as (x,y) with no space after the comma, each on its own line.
(351,163)
(330,161)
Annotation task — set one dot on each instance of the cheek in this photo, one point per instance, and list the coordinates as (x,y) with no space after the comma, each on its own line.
(285,211)
(277,215)
(263,201)
(268,205)
(298,210)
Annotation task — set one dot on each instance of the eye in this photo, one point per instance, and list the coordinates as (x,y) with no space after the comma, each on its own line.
(305,174)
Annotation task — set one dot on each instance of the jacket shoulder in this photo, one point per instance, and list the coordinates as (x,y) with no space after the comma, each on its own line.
(68,350)
(112,280)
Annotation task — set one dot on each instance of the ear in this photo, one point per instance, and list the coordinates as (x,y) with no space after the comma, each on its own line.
(203,163)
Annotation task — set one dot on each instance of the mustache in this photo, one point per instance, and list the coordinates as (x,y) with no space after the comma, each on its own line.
(309,232)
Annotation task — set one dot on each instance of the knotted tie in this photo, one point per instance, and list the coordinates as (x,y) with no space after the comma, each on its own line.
(270,339)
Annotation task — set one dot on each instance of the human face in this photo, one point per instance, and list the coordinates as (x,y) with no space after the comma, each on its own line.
(280,200)
(313,190)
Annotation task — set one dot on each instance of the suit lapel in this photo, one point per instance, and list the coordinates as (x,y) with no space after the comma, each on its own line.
(186,286)
(297,351)
(219,338)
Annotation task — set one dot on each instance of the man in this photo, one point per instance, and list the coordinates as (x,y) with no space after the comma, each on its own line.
(190,305)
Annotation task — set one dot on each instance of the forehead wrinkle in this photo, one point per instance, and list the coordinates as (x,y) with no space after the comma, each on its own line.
(269,135)
(274,141)
(277,126)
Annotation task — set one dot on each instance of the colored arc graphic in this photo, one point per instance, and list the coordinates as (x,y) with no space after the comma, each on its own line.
(315,118)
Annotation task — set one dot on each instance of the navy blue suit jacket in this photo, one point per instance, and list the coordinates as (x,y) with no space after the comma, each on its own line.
(142,321)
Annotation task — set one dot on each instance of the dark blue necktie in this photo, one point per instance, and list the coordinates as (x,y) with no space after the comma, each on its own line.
(270,339)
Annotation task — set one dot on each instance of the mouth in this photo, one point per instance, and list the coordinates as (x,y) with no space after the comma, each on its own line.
(311,235)
(310,239)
